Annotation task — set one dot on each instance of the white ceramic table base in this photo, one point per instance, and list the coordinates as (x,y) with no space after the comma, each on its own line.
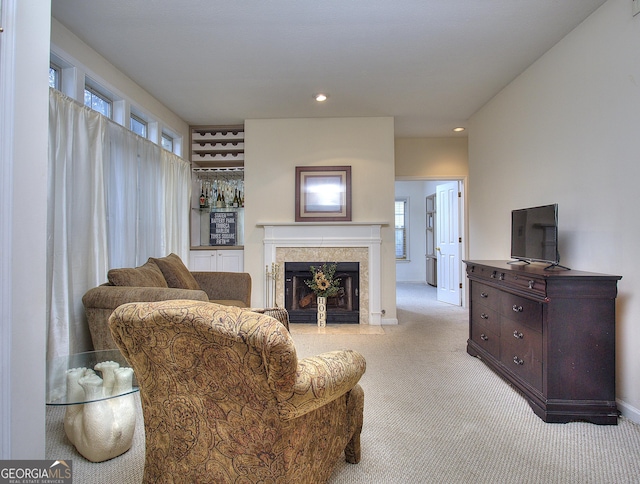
(102,429)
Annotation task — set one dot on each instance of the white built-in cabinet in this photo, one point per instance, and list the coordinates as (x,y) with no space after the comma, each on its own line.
(222,260)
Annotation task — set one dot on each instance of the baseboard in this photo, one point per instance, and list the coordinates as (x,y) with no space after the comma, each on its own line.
(389,321)
(629,411)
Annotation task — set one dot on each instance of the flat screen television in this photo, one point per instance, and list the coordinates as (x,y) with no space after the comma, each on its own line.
(534,234)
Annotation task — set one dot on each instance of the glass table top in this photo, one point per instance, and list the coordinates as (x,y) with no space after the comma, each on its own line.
(109,385)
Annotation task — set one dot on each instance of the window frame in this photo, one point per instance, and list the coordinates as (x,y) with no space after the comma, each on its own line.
(97,92)
(166,136)
(405,229)
(136,118)
(57,77)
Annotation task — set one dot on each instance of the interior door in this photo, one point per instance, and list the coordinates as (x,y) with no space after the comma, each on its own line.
(448,242)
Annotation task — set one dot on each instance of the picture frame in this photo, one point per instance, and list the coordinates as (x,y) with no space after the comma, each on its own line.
(323,194)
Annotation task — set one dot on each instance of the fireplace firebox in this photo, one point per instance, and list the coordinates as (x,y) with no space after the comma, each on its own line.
(300,301)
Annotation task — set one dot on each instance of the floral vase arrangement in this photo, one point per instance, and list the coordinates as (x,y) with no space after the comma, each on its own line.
(324,284)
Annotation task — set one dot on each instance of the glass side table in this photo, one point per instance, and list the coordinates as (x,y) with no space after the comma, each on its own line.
(98,388)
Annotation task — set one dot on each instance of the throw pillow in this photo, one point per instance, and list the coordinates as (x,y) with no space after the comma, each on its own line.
(175,272)
(147,275)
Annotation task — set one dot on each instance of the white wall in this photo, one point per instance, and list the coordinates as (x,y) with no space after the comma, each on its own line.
(567,131)
(24,95)
(433,158)
(274,147)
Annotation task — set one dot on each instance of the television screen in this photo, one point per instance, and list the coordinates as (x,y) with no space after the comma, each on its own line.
(534,234)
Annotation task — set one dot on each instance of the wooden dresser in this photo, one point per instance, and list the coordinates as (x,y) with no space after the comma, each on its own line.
(550,333)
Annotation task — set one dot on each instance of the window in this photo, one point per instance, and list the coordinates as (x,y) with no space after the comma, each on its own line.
(167,142)
(54,76)
(401,229)
(99,95)
(97,101)
(138,125)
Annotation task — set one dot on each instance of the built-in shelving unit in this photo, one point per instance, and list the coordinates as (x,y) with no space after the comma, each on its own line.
(217,221)
(217,146)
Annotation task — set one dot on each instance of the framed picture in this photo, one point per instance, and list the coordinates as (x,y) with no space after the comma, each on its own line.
(323,193)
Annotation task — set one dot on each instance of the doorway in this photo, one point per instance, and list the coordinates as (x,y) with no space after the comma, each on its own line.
(449,248)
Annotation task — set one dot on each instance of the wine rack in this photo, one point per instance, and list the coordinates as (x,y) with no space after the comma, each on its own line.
(217,146)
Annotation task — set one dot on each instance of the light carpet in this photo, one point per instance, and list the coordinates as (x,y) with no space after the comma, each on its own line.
(433,414)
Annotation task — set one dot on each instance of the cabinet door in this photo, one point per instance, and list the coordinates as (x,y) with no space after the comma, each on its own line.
(230,261)
(217,260)
(203,260)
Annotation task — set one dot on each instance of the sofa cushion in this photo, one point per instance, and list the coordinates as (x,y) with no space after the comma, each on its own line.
(175,272)
(147,275)
(229,302)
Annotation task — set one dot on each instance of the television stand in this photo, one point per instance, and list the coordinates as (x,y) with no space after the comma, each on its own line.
(550,334)
(551,265)
(556,264)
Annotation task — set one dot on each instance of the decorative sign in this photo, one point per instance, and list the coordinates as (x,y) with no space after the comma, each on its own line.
(223,228)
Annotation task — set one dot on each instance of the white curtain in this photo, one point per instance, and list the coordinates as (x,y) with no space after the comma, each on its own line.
(177,183)
(115,199)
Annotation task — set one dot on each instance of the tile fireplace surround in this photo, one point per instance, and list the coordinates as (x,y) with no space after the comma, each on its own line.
(330,242)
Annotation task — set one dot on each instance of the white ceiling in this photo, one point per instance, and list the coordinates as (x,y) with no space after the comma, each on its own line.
(428,63)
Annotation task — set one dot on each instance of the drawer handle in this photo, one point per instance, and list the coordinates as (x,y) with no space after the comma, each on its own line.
(484,316)
(531,283)
(517,309)
(518,361)
(517,335)
(484,337)
(501,276)
(484,295)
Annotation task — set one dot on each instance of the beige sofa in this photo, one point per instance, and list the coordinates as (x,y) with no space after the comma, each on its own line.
(159,279)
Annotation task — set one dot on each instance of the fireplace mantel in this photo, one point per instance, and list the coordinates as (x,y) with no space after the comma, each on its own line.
(307,224)
(333,234)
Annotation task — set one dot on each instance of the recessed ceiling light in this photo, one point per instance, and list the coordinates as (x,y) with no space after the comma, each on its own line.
(321,97)
(459,129)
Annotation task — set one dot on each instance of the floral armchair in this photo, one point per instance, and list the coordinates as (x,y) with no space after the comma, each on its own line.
(225,398)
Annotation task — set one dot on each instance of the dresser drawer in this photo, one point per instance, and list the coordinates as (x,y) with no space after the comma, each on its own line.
(532,284)
(517,278)
(486,339)
(522,310)
(485,316)
(486,295)
(521,351)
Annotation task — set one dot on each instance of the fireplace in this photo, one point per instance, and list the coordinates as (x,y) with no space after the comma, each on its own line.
(330,241)
(300,300)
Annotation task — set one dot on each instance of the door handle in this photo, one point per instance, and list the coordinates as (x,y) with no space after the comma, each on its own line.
(438,249)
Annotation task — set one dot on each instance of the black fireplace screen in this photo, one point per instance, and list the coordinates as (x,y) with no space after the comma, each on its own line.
(300,301)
